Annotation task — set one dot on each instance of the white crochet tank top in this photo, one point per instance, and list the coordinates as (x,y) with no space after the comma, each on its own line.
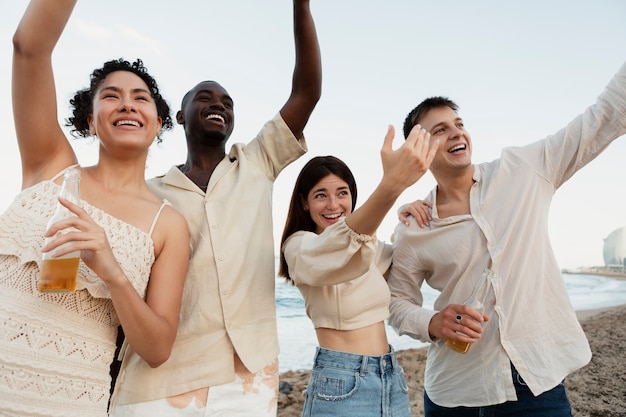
(56,348)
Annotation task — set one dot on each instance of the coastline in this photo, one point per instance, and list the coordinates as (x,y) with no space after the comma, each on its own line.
(616,273)
(597,389)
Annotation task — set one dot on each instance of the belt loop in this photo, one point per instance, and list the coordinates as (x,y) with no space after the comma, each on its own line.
(364,363)
(394,360)
(317,353)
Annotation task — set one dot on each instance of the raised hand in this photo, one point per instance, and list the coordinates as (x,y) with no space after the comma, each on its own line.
(407,164)
(401,168)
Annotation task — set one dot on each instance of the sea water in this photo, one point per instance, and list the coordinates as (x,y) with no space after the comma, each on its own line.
(297,336)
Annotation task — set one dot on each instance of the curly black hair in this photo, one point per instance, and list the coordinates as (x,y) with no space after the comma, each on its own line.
(82,102)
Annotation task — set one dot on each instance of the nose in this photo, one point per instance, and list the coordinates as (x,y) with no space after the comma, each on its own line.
(127,105)
(333,202)
(217,104)
(456,132)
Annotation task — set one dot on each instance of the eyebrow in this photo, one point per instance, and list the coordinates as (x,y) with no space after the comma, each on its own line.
(212,92)
(343,187)
(117,89)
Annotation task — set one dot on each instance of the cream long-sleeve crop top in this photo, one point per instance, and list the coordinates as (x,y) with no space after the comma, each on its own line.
(340,274)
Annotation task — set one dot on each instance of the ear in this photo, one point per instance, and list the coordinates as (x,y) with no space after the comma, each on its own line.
(160,126)
(180,117)
(92,128)
(304,204)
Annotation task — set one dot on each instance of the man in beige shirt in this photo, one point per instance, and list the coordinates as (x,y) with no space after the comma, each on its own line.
(225,358)
(490,226)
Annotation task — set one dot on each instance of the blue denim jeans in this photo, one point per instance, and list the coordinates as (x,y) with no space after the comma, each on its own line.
(344,384)
(553,403)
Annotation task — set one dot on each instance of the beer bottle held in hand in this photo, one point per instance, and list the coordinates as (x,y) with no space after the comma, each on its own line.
(59,274)
(476,300)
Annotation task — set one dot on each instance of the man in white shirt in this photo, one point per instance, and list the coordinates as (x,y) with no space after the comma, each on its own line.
(490,226)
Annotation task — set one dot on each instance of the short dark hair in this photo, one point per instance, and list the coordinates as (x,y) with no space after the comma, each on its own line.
(424,107)
(297,217)
(82,102)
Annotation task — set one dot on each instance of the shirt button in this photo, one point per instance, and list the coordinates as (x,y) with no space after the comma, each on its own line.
(220,258)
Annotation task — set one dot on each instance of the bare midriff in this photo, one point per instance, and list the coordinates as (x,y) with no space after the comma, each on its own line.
(370,340)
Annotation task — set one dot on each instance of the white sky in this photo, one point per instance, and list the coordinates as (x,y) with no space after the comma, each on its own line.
(519,71)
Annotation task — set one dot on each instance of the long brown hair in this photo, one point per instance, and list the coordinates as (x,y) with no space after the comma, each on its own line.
(297,217)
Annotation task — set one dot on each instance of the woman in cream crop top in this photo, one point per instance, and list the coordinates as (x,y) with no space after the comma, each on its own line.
(361,261)
(330,252)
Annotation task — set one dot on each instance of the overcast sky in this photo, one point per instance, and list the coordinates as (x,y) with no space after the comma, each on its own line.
(518,70)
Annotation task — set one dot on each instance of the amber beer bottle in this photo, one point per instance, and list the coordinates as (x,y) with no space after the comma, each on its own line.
(476,300)
(59,274)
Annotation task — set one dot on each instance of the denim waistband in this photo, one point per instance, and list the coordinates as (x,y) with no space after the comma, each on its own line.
(361,363)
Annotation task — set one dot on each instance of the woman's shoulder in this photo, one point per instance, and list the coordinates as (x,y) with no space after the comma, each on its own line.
(172,217)
(168,224)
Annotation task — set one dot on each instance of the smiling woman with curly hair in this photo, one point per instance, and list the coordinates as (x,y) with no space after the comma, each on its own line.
(56,347)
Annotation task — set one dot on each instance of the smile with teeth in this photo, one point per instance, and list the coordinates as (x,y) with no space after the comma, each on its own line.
(215,117)
(457,148)
(331,216)
(127,123)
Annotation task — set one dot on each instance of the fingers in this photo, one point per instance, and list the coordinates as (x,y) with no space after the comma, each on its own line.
(74,208)
(458,322)
(407,164)
(68,239)
(403,214)
(421,140)
(417,136)
(420,213)
(82,233)
(72,231)
(72,223)
(419,209)
(467,325)
(388,142)
(432,150)
(61,245)
(82,221)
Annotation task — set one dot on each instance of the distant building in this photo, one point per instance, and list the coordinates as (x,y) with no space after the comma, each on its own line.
(615,249)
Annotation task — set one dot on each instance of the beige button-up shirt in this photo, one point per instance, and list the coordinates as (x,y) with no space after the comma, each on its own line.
(532,322)
(228,302)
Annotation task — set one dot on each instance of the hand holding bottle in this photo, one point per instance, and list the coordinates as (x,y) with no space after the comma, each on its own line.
(461,324)
(87,238)
(464,322)
(476,305)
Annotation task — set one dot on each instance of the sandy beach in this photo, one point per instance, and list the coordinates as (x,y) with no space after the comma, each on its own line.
(597,390)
